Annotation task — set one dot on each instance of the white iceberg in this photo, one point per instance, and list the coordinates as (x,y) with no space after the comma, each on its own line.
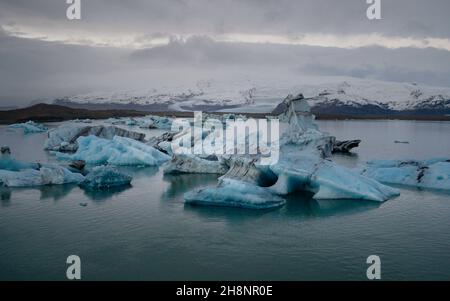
(429,174)
(104,177)
(29,127)
(233,193)
(64,137)
(118,151)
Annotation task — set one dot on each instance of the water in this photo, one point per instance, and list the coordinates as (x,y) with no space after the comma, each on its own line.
(147,233)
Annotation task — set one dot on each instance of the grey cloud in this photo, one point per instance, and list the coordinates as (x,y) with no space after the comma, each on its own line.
(295,17)
(405,64)
(32,69)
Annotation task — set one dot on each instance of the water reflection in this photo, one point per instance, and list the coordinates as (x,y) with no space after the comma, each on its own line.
(101,195)
(56,192)
(229,214)
(5,196)
(325,208)
(180,184)
(303,204)
(299,205)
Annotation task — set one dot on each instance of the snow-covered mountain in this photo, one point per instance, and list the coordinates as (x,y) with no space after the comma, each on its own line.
(332,96)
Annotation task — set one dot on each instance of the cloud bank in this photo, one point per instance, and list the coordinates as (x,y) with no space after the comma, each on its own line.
(141,44)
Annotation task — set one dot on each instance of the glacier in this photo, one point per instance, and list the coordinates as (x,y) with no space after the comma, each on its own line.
(104,177)
(29,127)
(429,174)
(118,151)
(257,94)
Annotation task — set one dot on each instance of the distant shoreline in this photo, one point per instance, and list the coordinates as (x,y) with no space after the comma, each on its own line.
(384,117)
(57,113)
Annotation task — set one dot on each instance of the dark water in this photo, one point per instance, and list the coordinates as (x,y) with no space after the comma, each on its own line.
(147,233)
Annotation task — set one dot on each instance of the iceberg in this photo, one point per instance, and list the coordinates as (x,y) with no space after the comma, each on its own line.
(118,151)
(158,122)
(146,122)
(325,179)
(338,182)
(7,163)
(233,193)
(29,127)
(345,146)
(45,175)
(429,174)
(104,177)
(163,142)
(194,164)
(64,138)
(302,166)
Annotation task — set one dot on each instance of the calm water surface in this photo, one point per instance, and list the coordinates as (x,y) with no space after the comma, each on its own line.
(147,233)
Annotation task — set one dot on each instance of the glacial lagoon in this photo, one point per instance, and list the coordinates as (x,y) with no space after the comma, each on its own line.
(146,232)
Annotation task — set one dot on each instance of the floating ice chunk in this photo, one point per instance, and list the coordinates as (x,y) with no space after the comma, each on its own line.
(345,146)
(103,177)
(338,182)
(194,164)
(437,176)
(29,127)
(245,168)
(46,175)
(233,193)
(82,120)
(163,142)
(159,122)
(432,174)
(64,138)
(59,138)
(326,179)
(131,122)
(118,151)
(7,163)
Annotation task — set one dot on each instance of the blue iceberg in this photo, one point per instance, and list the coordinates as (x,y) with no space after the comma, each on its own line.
(430,174)
(302,166)
(104,177)
(326,179)
(25,175)
(7,163)
(234,193)
(29,127)
(118,151)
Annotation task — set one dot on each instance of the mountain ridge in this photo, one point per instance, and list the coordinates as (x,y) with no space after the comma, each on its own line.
(347,97)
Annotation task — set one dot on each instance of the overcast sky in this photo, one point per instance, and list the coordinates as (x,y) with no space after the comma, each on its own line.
(139,44)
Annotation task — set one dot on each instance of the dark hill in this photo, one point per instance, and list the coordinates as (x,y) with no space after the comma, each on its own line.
(52,113)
